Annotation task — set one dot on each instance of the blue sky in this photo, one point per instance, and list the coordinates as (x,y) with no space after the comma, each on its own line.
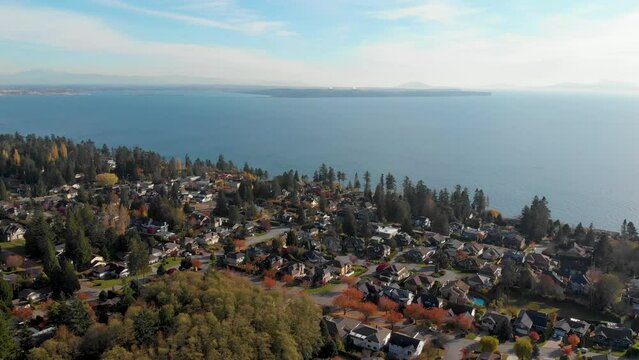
(328,42)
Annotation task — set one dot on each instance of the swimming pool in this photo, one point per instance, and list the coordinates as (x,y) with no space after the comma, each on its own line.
(479,301)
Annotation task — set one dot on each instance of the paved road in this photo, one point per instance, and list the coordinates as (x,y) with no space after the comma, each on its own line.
(274,232)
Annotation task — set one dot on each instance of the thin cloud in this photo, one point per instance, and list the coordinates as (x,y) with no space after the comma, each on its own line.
(81,33)
(433,11)
(242,22)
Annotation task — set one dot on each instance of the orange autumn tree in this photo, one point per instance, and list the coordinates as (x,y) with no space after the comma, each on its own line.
(288,279)
(394,317)
(385,304)
(436,315)
(367,309)
(574,340)
(348,299)
(415,311)
(349,280)
(269,282)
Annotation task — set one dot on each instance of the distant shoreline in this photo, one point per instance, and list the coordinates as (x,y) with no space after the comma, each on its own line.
(362,93)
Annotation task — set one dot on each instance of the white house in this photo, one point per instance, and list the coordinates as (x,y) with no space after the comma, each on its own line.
(404,347)
(368,337)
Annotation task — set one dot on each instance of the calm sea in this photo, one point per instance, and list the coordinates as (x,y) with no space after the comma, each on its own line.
(581,151)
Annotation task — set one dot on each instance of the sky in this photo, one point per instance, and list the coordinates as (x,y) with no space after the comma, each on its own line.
(480,43)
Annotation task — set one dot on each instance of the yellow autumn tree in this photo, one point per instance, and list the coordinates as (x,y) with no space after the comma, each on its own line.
(64,152)
(54,155)
(5,154)
(106,179)
(16,157)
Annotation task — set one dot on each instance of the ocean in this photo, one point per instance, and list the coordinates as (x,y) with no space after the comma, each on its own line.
(581,151)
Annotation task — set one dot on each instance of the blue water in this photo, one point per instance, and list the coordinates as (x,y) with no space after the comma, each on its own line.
(579,150)
(479,301)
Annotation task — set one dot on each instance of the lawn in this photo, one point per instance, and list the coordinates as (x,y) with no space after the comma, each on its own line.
(171,262)
(322,289)
(107,284)
(16,246)
(359,270)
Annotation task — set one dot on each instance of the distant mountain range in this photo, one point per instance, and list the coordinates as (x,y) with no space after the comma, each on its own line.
(60,79)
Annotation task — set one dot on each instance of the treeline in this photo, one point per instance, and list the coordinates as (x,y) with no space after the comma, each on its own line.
(190,316)
(43,162)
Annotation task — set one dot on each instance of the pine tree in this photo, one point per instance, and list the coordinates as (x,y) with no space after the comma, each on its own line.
(632,231)
(8,348)
(77,245)
(68,279)
(138,258)
(349,226)
(6,294)
(4,195)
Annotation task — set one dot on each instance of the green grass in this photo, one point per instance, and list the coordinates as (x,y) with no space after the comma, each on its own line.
(16,246)
(171,261)
(358,270)
(107,284)
(322,289)
(471,336)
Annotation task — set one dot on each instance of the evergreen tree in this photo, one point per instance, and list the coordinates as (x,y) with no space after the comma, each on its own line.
(349,226)
(367,186)
(632,231)
(138,258)
(534,219)
(8,348)
(68,279)
(4,195)
(38,235)
(6,294)
(76,245)
(390,183)
(603,254)
(221,205)
(356,183)
(234,215)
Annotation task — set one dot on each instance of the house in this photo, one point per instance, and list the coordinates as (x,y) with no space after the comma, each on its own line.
(473,248)
(234,258)
(491,321)
(208,238)
(491,270)
(418,283)
(566,327)
(529,320)
(295,269)
(491,254)
(31,295)
(429,301)
(404,347)
(387,232)
(171,249)
(479,282)
(455,291)
(403,240)
(515,256)
(453,244)
(470,264)
(321,274)
(12,232)
(368,337)
(539,261)
(616,338)
(353,245)
(435,239)
(460,309)
(341,267)
(378,251)
(400,296)
(418,254)
(579,284)
(473,234)
(340,327)
(514,241)
(392,273)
